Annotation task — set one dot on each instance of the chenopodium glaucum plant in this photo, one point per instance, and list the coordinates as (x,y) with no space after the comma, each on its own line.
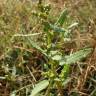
(54,55)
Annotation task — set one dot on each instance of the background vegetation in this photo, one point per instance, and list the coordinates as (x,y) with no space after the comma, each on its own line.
(47,48)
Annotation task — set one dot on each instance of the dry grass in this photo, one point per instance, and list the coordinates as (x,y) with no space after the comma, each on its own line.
(16,16)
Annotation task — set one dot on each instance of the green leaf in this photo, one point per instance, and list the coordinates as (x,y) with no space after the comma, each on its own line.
(55,28)
(77,56)
(62,17)
(73,25)
(64,72)
(39,87)
(57,57)
(34,45)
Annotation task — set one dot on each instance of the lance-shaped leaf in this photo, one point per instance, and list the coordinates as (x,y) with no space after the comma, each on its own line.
(62,17)
(34,45)
(55,28)
(39,87)
(73,25)
(77,56)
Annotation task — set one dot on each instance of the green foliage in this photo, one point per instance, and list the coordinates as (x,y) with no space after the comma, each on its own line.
(39,87)
(62,17)
(77,56)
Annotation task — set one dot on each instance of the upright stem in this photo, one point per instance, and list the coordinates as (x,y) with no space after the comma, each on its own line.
(60,89)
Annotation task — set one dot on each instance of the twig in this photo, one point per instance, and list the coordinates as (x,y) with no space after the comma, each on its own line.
(31,73)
